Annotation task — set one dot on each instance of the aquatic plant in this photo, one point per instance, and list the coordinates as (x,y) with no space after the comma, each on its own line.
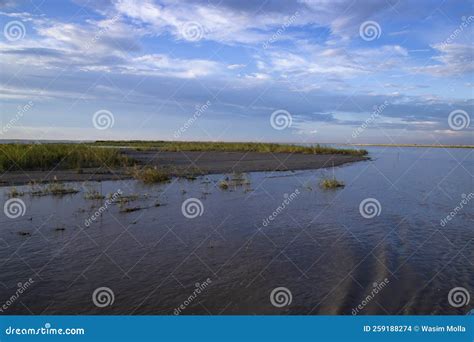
(55,189)
(224,184)
(331,183)
(94,195)
(14,193)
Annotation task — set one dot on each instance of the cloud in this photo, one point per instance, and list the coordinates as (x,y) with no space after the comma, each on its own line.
(453,59)
(162,65)
(251,22)
(235,66)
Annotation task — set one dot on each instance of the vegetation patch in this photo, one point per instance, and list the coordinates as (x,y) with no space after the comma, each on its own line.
(14,193)
(15,157)
(54,189)
(94,195)
(150,175)
(331,183)
(176,146)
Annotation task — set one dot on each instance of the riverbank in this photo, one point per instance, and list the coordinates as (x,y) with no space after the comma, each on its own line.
(184,163)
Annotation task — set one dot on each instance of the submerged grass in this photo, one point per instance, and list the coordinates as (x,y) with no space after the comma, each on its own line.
(331,183)
(174,146)
(54,189)
(64,156)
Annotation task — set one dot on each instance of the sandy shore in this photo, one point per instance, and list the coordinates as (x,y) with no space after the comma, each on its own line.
(178,163)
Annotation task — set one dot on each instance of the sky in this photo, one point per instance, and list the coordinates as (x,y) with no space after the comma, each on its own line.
(308,71)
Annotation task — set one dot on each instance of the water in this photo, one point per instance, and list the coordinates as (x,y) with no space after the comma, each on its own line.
(319,247)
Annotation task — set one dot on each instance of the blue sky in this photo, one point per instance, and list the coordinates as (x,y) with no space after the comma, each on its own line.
(332,71)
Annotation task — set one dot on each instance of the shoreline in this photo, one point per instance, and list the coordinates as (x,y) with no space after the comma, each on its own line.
(411,145)
(186,163)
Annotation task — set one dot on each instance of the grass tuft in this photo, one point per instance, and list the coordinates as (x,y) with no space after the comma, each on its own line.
(331,183)
(150,175)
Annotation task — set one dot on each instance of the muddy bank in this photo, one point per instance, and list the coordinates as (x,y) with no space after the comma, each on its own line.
(181,163)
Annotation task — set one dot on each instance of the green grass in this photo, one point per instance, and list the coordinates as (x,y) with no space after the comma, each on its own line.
(174,146)
(150,175)
(331,183)
(63,156)
(14,157)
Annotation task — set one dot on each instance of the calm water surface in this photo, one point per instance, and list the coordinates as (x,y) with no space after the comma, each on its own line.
(319,246)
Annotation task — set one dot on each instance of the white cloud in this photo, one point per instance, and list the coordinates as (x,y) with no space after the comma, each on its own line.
(454,59)
(162,65)
(236,66)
